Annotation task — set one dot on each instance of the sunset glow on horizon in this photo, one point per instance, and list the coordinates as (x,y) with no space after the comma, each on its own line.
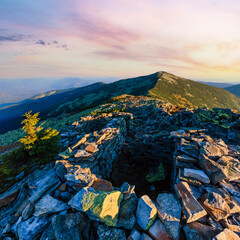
(55,38)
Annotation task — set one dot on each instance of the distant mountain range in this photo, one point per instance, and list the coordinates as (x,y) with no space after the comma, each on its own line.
(161,85)
(16,90)
(218,84)
(234,89)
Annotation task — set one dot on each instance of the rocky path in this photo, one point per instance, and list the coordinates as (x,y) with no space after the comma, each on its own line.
(133,175)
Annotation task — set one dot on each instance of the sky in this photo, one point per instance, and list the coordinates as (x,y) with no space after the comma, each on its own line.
(120,38)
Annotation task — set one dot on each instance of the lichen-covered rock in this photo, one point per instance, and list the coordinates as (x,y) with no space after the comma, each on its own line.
(100,205)
(146,212)
(66,154)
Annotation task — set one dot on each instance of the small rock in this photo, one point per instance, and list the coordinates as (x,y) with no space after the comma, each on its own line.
(197,174)
(146,212)
(48,233)
(186,158)
(230,188)
(81,176)
(127,190)
(7,229)
(81,141)
(178,133)
(106,233)
(103,185)
(65,196)
(28,211)
(159,232)
(92,148)
(135,235)
(20,176)
(214,150)
(66,154)
(63,187)
(82,154)
(145,237)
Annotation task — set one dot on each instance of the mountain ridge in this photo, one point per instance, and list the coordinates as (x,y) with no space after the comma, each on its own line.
(162,85)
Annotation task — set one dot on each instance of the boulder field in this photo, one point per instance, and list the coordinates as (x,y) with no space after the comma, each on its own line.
(151,172)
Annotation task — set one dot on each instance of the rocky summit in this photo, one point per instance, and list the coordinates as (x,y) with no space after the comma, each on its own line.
(137,168)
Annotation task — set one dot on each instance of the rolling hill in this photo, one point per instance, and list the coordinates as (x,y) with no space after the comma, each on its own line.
(161,85)
(234,89)
(16,90)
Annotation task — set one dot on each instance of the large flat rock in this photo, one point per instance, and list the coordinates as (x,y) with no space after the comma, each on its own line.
(103,206)
(215,171)
(169,211)
(49,205)
(146,212)
(192,209)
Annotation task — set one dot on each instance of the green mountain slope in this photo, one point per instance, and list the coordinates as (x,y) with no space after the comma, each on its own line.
(181,91)
(234,89)
(161,85)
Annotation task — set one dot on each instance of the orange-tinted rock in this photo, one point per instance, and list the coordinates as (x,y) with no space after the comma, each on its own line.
(226,235)
(103,185)
(9,196)
(92,148)
(158,231)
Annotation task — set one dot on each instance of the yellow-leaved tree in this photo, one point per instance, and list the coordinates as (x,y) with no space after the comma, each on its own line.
(40,144)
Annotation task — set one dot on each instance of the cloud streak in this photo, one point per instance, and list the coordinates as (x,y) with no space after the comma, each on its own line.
(198,39)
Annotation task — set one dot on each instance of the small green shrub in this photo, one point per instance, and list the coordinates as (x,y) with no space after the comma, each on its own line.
(12,162)
(40,144)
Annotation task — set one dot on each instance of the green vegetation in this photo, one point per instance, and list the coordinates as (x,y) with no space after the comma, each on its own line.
(159,175)
(38,146)
(187,93)
(219,117)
